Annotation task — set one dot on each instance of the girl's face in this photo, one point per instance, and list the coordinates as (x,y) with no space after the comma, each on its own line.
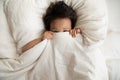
(60,25)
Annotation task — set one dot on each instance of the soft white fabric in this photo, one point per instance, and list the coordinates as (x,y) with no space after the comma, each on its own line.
(25,19)
(7,44)
(111,50)
(111,46)
(114,69)
(62,58)
(92,19)
(113,13)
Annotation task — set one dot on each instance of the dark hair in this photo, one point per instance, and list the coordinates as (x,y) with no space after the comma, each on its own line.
(59,10)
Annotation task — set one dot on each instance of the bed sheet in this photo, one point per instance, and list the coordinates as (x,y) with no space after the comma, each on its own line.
(111,46)
(57,59)
(111,50)
(20,22)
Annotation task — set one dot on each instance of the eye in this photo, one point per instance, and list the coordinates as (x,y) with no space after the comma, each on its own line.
(55,31)
(65,30)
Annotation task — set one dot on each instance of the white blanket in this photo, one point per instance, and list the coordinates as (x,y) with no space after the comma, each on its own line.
(62,58)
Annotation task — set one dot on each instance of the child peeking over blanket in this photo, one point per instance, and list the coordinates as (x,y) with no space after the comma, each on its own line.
(59,17)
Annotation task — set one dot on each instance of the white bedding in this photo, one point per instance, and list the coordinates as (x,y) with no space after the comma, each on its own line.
(56,59)
(21,22)
(111,50)
(7,44)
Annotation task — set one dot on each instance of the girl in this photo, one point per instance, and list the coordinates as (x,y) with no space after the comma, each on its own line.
(59,17)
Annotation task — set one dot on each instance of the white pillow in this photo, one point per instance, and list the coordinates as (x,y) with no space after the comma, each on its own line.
(25,19)
(7,44)
(92,19)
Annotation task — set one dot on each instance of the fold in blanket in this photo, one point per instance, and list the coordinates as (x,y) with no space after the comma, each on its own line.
(62,58)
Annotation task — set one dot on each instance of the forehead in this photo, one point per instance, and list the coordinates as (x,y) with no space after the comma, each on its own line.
(61,23)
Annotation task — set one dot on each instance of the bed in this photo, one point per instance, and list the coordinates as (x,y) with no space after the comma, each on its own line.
(21,22)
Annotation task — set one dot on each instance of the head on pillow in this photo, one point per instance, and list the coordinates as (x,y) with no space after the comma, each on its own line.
(59,17)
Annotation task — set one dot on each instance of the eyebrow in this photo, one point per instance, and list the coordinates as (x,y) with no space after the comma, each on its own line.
(65,28)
